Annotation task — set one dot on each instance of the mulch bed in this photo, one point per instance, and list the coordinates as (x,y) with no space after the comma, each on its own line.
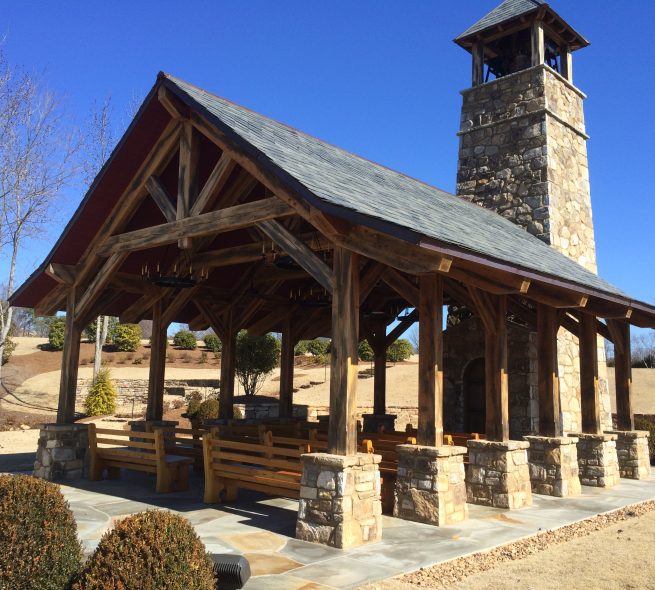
(451,572)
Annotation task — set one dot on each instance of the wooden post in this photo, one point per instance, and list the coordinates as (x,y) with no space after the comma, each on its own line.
(69,362)
(625,419)
(477,52)
(187,185)
(589,388)
(155,408)
(548,375)
(228,364)
(430,361)
(566,63)
(286,372)
(538,45)
(379,346)
(342,435)
(496,384)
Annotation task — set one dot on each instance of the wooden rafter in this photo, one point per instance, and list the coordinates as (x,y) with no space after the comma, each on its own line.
(99,282)
(187,183)
(214,184)
(161,198)
(402,285)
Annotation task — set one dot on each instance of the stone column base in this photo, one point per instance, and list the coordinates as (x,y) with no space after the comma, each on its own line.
(61,452)
(340,500)
(553,463)
(597,459)
(372,422)
(633,453)
(498,474)
(431,484)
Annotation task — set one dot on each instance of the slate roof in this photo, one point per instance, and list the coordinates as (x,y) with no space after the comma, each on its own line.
(345,181)
(508,10)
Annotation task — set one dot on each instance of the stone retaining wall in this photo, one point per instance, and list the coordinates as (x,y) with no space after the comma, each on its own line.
(340,500)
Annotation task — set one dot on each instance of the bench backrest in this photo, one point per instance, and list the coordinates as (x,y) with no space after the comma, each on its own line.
(128,445)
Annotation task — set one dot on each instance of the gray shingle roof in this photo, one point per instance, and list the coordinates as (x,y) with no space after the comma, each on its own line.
(508,10)
(345,180)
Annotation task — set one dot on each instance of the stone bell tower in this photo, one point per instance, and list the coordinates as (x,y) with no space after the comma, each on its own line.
(523,147)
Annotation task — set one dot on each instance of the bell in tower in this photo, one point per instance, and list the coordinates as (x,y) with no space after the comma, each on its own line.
(523,154)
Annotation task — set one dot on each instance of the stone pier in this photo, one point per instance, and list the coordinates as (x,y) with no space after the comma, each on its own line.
(61,452)
(431,485)
(553,463)
(597,459)
(498,474)
(340,500)
(633,453)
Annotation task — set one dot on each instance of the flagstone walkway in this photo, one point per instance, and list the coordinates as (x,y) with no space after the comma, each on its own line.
(262,529)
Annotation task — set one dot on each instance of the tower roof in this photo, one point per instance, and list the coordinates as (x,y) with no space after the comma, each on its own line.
(510,10)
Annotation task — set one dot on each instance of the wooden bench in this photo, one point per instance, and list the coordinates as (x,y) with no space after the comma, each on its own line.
(112,450)
(261,466)
(184,442)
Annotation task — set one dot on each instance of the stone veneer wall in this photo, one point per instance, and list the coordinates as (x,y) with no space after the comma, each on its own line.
(464,343)
(61,451)
(431,486)
(553,465)
(340,500)
(523,154)
(597,459)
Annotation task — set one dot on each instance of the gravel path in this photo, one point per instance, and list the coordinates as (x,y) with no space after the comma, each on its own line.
(609,551)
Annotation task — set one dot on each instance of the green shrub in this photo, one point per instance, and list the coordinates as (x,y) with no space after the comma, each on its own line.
(192,409)
(185,340)
(90,330)
(213,343)
(364,351)
(256,357)
(649,425)
(8,350)
(208,410)
(38,535)
(127,337)
(153,550)
(319,346)
(56,329)
(400,351)
(101,398)
(300,348)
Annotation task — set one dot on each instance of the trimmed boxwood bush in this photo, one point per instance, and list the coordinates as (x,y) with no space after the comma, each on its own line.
(153,550)
(365,352)
(213,343)
(400,351)
(127,337)
(101,398)
(185,340)
(56,329)
(208,410)
(38,535)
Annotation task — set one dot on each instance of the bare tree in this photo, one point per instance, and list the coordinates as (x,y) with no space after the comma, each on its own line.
(99,142)
(36,161)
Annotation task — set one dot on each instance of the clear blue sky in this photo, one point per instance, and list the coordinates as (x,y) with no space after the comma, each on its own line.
(376,77)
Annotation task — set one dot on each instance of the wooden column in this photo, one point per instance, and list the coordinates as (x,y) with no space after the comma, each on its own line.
(69,362)
(228,365)
(589,388)
(379,346)
(477,52)
(430,361)
(538,45)
(158,341)
(566,63)
(625,419)
(496,383)
(342,436)
(286,372)
(548,374)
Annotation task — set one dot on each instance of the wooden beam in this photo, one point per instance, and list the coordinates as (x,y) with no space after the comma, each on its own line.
(538,45)
(509,286)
(566,63)
(287,360)
(215,222)
(496,377)
(66,274)
(370,278)
(342,436)
(140,308)
(99,282)
(430,361)
(625,419)
(69,362)
(377,339)
(228,366)
(401,328)
(130,283)
(214,184)
(155,407)
(179,302)
(299,252)
(548,375)
(484,307)
(172,104)
(589,384)
(160,196)
(187,183)
(477,52)
(402,285)
(53,302)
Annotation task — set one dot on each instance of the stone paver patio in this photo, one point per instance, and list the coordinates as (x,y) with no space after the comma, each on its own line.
(262,529)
